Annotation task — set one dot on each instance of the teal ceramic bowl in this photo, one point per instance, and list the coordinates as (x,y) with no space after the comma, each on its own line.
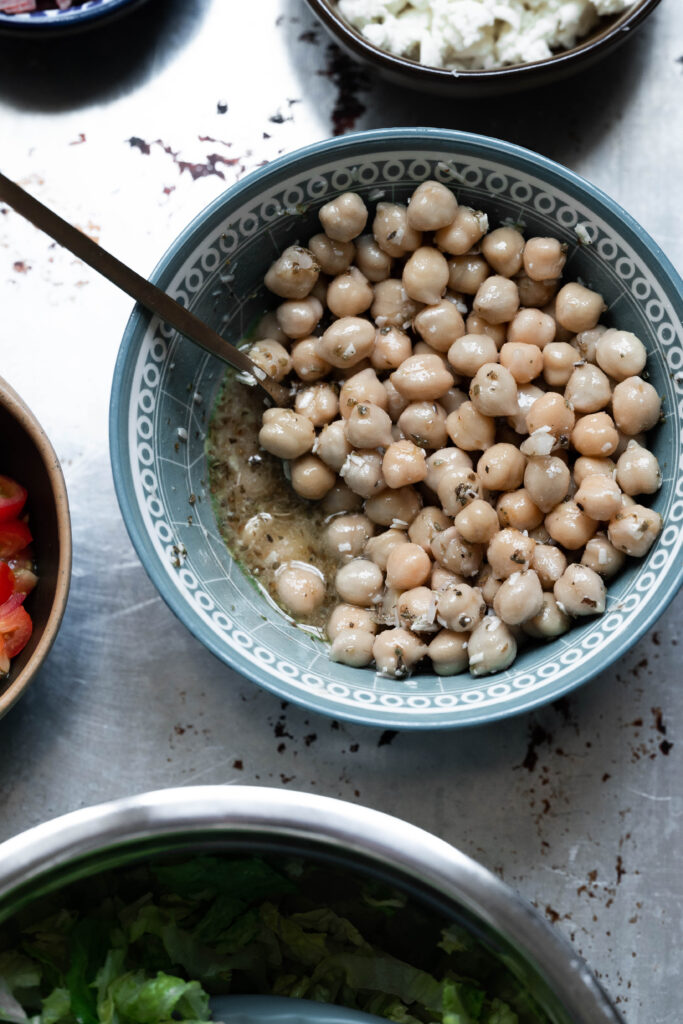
(164,388)
(53,21)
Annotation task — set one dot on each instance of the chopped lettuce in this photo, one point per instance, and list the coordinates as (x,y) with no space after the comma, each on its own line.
(176,933)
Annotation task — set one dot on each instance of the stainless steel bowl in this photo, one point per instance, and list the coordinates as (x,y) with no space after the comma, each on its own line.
(260,820)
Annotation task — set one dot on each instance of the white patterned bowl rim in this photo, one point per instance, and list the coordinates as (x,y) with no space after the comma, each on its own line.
(154,473)
(56,18)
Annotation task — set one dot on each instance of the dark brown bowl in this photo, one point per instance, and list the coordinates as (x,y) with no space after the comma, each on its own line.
(27,456)
(605,38)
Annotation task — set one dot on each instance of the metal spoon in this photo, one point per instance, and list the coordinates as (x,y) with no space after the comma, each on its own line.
(140,289)
(281,1010)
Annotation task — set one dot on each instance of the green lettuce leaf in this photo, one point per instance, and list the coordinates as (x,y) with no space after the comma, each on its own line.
(145,1000)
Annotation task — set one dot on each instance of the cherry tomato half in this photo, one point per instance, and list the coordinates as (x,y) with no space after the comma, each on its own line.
(15,625)
(6,582)
(14,535)
(12,498)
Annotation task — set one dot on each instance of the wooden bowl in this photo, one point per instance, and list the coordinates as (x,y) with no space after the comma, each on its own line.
(27,455)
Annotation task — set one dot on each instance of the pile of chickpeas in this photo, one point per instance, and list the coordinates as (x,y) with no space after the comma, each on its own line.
(475,436)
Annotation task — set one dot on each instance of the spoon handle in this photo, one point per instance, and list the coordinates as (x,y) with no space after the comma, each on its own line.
(138,287)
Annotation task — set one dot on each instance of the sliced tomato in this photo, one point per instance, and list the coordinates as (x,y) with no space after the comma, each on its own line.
(4,659)
(6,582)
(12,498)
(24,580)
(14,535)
(22,565)
(15,625)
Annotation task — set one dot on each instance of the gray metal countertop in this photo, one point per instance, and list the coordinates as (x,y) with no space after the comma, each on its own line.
(579,806)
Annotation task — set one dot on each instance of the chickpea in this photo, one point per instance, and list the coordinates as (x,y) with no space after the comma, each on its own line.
(392,231)
(424,423)
(448,653)
(578,308)
(587,466)
(453,552)
(416,609)
(440,461)
(569,526)
(595,435)
(397,652)
(550,621)
(392,306)
(526,396)
(636,406)
(300,588)
(510,551)
(602,557)
(368,426)
(442,578)
(272,358)
(352,647)
(379,547)
(371,260)
(393,507)
(422,378)
(491,647)
(587,343)
(620,354)
(346,536)
(452,400)
(559,360)
(525,362)
(362,472)
(535,294)
(497,300)
(477,325)
(457,488)
(554,415)
(359,582)
(599,497)
(286,434)
(392,347)
(293,274)
(519,598)
(269,329)
(477,522)
(488,584)
(467,273)
(634,530)
(387,610)
(340,499)
(350,616)
(440,324)
(501,467)
(396,403)
(460,608)
(464,231)
(429,521)
(332,445)
(470,429)
(298,317)
(516,509)
(470,352)
(362,387)
(319,402)
(580,591)
(349,293)
(638,471)
(432,206)
(425,275)
(493,391)
(544,258)
(308,365)
(332,256)
(549,563)
(403,463)
(344,217)
(531,327)
(311,478)
(588,389)
(547,480)
(347,341)
(503,249)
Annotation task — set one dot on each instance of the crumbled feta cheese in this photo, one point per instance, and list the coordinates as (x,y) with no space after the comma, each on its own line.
(464,34)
